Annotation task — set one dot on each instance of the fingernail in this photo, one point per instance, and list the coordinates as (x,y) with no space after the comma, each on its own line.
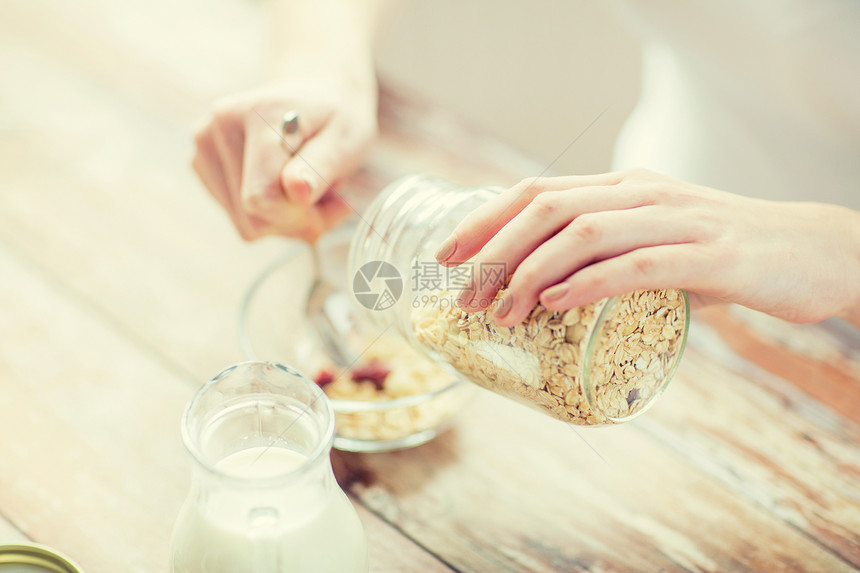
(555,292)
(303,189)
(446,249)
(299,189)
(466,296)
(503,306)
(311,183)
(299,194)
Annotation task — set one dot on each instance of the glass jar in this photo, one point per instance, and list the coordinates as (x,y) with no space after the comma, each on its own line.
(263,495)
(600,364)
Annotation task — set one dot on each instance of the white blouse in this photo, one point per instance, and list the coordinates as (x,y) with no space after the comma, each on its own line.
(759,97)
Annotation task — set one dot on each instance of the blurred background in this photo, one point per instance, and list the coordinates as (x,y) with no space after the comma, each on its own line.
(534,75)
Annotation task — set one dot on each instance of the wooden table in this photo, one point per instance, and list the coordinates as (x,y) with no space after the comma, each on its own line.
(121,281)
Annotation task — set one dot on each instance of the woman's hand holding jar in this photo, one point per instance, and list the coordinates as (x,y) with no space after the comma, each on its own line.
(572,240)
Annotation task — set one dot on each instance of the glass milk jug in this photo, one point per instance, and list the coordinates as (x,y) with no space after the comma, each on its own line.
(263,496)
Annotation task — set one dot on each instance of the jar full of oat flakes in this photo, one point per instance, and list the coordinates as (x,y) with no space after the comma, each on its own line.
(600,364)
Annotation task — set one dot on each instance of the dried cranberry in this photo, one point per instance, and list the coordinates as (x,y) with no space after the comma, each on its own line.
(324,377)
(373,372)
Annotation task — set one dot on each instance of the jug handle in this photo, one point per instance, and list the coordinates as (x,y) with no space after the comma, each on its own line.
(262,527)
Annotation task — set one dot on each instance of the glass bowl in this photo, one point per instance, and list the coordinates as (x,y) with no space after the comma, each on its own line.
(418,399)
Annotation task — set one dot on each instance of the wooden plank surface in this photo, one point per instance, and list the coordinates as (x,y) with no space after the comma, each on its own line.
(94,466)
(800,354)
(121,282)
(89,431)
(534,497)
(801,466)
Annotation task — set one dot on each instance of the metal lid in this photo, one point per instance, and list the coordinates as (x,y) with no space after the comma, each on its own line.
(32,558)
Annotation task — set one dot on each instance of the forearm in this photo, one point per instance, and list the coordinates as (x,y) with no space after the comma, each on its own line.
(324,36)
(851,312)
